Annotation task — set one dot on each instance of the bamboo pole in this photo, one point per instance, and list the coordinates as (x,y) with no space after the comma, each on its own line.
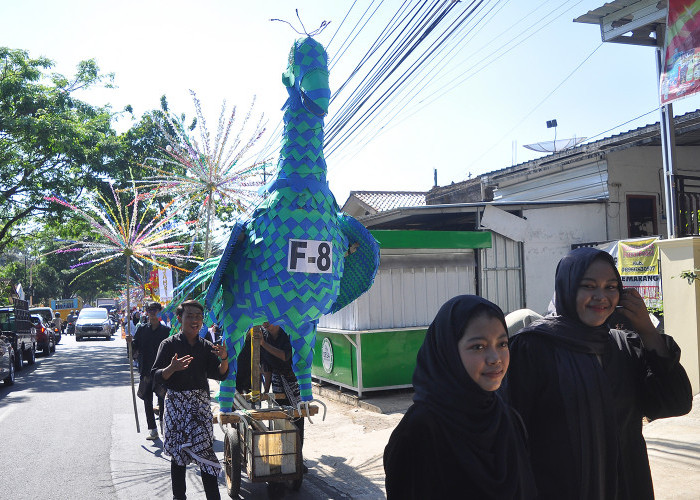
(255,365)
(207,244)
(127,325)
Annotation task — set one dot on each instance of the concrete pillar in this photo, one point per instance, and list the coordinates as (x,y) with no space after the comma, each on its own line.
(682,301)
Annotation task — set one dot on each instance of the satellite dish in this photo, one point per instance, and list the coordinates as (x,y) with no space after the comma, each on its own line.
(556,145)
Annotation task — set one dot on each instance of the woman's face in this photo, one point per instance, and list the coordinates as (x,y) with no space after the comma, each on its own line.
(483,350)
(597,294)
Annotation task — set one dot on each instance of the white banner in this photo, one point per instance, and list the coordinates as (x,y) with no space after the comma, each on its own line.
(165,284)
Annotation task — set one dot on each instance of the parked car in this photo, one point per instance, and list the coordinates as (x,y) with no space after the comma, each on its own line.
(49,316)
(7,361)
(45,338)
(17,328)
(93,322)
(46,313)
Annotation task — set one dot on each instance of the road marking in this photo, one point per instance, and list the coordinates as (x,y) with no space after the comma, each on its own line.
(6,413)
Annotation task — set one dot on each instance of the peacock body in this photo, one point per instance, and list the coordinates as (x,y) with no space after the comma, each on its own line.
(289,263)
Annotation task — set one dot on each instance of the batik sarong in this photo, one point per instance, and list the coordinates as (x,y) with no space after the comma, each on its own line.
(189,433)
(286,383)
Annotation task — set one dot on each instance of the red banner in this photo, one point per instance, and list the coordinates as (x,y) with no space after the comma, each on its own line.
(681,75)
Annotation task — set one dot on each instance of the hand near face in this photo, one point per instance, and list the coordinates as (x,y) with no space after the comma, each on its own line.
(632,307)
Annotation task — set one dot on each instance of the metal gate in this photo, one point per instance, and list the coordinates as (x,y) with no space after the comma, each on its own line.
(501,273)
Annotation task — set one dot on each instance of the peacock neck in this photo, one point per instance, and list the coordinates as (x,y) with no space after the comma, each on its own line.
(301,155)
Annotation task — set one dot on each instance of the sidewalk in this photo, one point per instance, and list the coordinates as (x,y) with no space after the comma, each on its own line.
(344,452)
(673,445)
(351,443)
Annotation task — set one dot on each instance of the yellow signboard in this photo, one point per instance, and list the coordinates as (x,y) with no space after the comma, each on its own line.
(638,263)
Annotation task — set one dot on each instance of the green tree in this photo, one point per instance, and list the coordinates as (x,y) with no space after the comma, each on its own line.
(50,142)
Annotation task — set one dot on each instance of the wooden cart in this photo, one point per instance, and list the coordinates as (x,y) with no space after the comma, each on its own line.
(263,441)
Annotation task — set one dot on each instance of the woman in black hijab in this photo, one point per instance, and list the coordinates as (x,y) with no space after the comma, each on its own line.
(458,439)
(583,388)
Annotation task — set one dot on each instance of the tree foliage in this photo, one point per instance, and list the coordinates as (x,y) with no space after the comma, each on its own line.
(54,144)
(50,142)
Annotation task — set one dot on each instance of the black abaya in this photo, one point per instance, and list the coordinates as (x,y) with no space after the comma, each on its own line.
(582,392)
(457,440)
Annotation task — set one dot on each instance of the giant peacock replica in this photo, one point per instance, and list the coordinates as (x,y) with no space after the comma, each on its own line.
(298,256)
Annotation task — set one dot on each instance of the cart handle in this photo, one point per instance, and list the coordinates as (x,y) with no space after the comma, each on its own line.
(305,404)
(221,426)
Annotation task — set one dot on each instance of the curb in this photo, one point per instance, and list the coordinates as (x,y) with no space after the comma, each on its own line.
(336,394)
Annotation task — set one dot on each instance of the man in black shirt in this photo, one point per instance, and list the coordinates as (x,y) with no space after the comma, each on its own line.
(145,343)
(183,364)
(276,363)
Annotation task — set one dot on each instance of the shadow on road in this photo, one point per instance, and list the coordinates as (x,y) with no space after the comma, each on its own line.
(74,367)
(682,452)
(358,477)
(155,477)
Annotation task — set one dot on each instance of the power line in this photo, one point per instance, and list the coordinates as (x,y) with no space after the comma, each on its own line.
(407,98)
(623,124)
(341,24)
(539,103)
(488,59)
(420,31)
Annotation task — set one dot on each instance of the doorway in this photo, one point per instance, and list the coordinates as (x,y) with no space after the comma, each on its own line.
(641,216)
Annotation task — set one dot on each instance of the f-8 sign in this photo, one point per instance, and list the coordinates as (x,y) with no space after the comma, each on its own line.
(310,256)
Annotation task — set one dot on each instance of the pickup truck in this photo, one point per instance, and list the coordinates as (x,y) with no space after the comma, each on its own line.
(17,329)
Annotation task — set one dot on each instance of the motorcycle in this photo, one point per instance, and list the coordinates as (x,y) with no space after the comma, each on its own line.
(56,334)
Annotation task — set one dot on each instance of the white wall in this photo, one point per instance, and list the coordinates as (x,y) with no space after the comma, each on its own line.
(638,171)
(551,232)
(634,171)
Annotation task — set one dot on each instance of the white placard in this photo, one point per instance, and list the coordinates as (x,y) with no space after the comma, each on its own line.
(310,256)
(327,355)
(165,284)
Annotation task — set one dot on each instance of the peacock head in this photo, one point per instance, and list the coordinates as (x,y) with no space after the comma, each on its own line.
(306,77)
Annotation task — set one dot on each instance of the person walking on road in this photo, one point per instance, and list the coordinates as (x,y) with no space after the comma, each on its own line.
(183,364)
(145,344)
(459,439)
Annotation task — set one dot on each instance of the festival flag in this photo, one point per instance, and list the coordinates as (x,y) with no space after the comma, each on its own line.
(681,73)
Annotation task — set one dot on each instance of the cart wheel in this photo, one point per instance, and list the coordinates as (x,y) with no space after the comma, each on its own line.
(232,462)
(275,490)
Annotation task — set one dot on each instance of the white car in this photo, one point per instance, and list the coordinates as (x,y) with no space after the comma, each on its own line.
(93,322)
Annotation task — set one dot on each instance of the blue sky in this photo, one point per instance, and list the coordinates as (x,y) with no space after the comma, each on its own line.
(226,49)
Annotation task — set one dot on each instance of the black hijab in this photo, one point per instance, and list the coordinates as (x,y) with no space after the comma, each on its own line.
(584,387)
(565,327)
(477,425)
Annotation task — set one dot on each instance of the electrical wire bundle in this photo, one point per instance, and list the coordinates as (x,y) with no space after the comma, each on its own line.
(424,49)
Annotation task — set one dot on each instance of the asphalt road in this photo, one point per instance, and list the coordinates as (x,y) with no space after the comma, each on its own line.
(67,431)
